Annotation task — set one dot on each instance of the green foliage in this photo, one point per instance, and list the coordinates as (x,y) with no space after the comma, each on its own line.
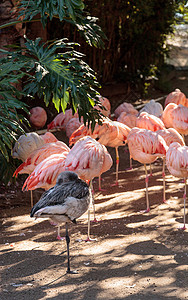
(71,11)
(7,168)
(10,121)
(56,72)
(137,33)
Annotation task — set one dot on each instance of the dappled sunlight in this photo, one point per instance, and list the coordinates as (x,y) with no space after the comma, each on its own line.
(135,256)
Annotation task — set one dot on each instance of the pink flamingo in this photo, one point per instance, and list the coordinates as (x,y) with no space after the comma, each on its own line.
(39,155)
(127,119)
(170,136)
(176,97)
(45,175)
(110,133)
(148,121)
(72,125)
(153,108)
(46,172)
(177,162)
(125,107)
(146,146)
(106,103)
(88,159)
(176,116)
(28,142)
(38,117)
(61,120)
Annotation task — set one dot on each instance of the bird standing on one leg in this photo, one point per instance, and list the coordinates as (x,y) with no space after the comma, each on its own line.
(66,201)
(110,133)
(177,164)
(146,146)
(88,158)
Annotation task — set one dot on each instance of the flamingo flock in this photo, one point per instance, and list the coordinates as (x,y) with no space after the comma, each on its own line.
(151,133)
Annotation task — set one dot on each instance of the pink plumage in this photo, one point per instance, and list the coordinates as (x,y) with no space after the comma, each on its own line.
(177,160)
(48,137)
(72,125)
(127,119)
(28,142)
(176,116)
(176,97)
(88,158)
(146,146)
(46,172)
(106,103)
(61,120)
(39,155)
(110,133)
(125,107)
(170,136)
(150,122)
(177,164)
(38,117)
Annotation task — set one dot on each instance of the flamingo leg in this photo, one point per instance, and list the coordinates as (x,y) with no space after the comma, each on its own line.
(68,255)
(150,171)
(93,200)
(131,165)
(31,193)
(117,167)
(163,174)
(99,182)
(89,224)
(147,198)
(184,198)
(100,189)
(89,239)
(58,233)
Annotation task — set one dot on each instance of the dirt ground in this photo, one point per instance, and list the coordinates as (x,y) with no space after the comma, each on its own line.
(135,256)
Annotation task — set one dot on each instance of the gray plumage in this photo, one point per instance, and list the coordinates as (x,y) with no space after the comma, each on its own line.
(64,202)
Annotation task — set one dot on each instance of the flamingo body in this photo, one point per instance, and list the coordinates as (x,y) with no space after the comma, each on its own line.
(46,172)
(127,119)
(177,160)
(38,117)
(125,107)
(61,120)
(170,136)
(65,202)
(150,122)
(145,145)
(177,164)
(28,142)
(106,103)
(176,116)
(39,155)
(153,108)
(176,97)
(88,158)
(72,125)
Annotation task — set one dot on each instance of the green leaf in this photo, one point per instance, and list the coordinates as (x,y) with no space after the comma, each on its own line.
(56,101)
